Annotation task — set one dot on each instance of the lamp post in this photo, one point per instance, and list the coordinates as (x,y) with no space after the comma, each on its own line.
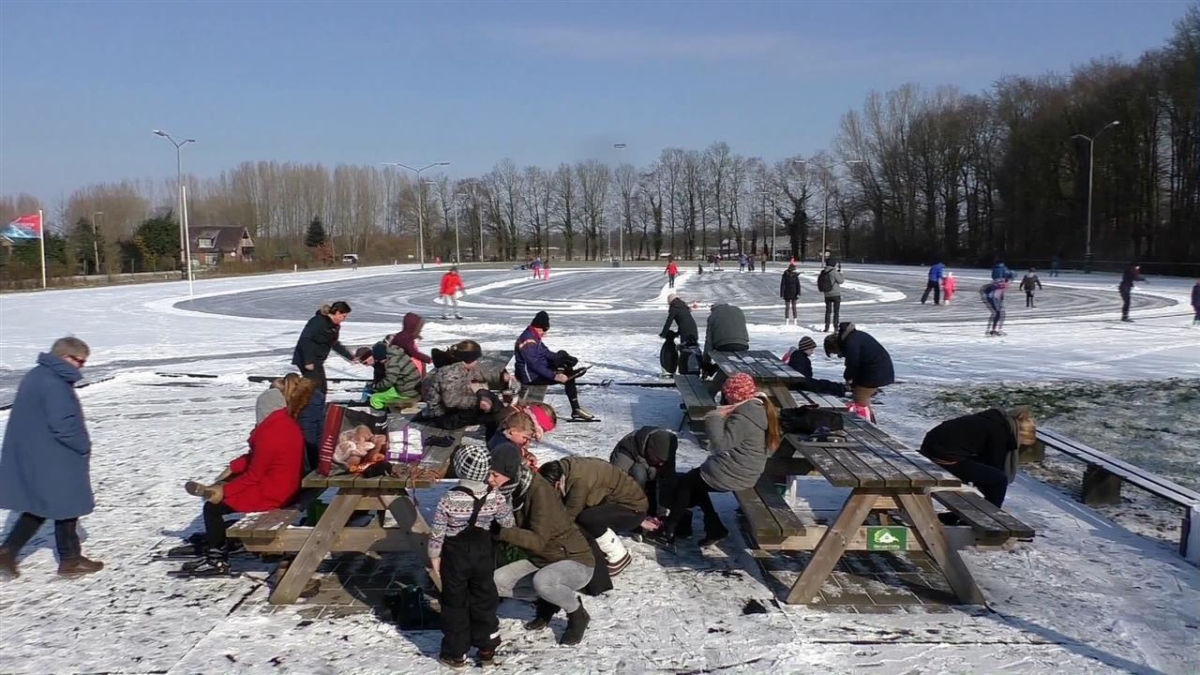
(458,198)
(1087,254)
(620,228)
(95,244)
(420,203)
(179,193)
(825,218)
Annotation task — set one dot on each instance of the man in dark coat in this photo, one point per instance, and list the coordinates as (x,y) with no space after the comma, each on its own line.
(45,460)
(868,364)
(981,448)
(648,456)
(680,314)
(789,290)
(320,335)
(536,364)
(725,332)
(1132,274)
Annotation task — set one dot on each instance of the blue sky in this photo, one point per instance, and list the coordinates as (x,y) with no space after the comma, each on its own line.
(83,84)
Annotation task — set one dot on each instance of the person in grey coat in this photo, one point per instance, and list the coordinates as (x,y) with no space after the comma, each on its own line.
(829,282)
(44,463)
(725,331)
(741,435)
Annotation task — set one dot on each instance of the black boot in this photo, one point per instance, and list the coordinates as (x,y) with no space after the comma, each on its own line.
(543,612)
(577,623)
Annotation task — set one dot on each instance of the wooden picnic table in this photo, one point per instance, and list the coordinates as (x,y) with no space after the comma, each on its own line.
(772,375)
(883,478)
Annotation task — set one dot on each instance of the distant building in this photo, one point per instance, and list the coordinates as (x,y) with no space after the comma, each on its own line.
(212,246)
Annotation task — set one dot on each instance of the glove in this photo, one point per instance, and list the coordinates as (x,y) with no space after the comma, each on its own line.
(495,529)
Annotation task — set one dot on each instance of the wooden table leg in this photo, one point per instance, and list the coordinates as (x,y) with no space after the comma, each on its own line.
(933,540)
(831,547)
(316,547)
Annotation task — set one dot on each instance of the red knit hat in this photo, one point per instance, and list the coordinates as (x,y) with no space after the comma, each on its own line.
(543,420)
(739,388)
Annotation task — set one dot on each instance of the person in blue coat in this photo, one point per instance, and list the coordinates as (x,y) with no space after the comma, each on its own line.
(936,274)
(1001,271)
(536,364)
(44,463)
(868,364)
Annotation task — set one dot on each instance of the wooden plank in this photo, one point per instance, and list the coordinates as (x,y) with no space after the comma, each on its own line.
(263,526)
(782,395)
(833,470)
(892,477)
(353,539)
(915,473)
(315,548)
(830,549)
(969,512)
(341,480)
(851,458)
(315,480)
(1150,482)
(789,524)
(763,526)
(920,512)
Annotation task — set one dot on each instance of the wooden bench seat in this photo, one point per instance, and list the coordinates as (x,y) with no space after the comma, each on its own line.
(770,519)
(698,401)
(257,528)
(989,522)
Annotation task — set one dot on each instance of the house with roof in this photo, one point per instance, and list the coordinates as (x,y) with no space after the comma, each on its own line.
(212,246)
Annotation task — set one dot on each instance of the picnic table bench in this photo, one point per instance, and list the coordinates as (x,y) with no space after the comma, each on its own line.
(698,401)
(773,376)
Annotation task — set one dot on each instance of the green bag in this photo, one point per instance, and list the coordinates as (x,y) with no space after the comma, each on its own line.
(315,511)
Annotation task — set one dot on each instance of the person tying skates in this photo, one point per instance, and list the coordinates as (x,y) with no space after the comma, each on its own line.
(868,365)
(536,364)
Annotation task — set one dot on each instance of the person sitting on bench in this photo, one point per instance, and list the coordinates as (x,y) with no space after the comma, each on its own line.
(981,449)
(264,479)
(725,331)
(537,365)
(311,419)
(396,381)
(799,359)
(457,395)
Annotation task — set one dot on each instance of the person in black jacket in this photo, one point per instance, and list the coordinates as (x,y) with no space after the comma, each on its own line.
(320,335)
(680,314)
(789,290)
(725,331)
(981,448)
(799,359)
(868,364)
(1132,273)
(648,456)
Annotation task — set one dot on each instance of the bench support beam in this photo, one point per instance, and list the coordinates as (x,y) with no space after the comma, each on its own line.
(1100,486)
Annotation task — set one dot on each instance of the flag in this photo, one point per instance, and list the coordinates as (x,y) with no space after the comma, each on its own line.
(25,227)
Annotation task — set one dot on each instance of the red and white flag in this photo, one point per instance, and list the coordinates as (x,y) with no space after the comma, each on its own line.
(24,227)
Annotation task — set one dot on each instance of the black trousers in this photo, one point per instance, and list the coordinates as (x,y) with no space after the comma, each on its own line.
(317,375)
(992,482)
(214,523)
(1029,298)
(789,305)
(937,292)
(1125,299)
(457,418)
(469,597)
(569,387)
(691,490)
(834,306)
(613,517)
(66,537)
(996,322)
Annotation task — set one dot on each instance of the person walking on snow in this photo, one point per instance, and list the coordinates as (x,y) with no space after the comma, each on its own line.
(1196,303)
(829,282)
(672,272)
(45,460)
(452,286)
(789,290)
(1133,273)
(936,274)
(1028,283)
(949,285)
(992,295)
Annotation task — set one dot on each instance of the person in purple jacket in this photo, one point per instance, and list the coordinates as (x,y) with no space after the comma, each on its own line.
(536,364)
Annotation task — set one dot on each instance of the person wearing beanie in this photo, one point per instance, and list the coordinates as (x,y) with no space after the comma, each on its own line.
(789,290)
(981,448)
(603,500)
(536,364)
(800,359)
(742,433)
(461,554)
(648,456)
(829,282)
(679,314)
(451,392)
(868,364)
(452,286)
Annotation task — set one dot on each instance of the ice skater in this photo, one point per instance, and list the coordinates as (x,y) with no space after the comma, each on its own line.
(992,295)
(1196,303)
(829,282)
(949,285)
(452,287)
(1133,273)
(1028,283)
(672,272)
(936,274)
(789,290)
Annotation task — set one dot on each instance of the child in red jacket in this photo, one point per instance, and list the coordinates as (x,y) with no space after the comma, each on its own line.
(452,285)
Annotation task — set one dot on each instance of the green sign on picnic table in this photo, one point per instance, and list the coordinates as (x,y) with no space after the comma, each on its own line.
(887,538)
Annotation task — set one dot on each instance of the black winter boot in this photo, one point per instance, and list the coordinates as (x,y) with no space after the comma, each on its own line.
(577,623)
(543,612)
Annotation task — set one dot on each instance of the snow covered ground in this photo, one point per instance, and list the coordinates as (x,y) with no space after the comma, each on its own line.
(1086,596)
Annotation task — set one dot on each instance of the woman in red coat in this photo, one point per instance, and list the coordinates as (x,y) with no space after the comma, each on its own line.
(266,478)
(452,284)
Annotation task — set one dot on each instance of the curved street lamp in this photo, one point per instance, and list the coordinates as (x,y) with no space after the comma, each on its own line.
(420,203)
(1087,254)
(182,213)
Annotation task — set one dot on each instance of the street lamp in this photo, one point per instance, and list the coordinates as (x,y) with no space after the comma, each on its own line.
(179,193)
(620,228)
(420,203)
(458,197)
(95,245)
(825,218)
(1087,254)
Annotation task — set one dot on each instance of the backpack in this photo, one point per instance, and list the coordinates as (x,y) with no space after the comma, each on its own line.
(824,281)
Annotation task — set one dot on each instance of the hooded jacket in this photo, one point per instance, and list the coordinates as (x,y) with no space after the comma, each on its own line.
(652,449)
(726,327)
(868,364)
(1029,282)
(449,387)
(737,446)
(544,528)
(406,339)
(680,314)
(591,481)
(451,283)
(319,337)
(986,437)
(394,369)
(534,360)
(789,284)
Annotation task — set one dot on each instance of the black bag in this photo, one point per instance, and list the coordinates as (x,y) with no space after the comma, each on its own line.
(807,420)
(668,357)
(411,610)
(824,282)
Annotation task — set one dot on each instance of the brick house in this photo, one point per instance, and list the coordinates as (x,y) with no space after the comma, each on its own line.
(212,246)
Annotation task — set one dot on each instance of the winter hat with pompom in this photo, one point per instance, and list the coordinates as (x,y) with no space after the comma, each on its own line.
(739,388)
(473,462)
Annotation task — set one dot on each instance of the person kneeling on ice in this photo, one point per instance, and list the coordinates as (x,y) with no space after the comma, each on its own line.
(396,382)
(264,479)
(981,449)
(560,559)
(648,456)
(868,365)
(603,500)
(461,553)
(536,364)
(799,359)
(741,435)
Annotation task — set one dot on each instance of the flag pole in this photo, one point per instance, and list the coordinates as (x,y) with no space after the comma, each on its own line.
(42,244)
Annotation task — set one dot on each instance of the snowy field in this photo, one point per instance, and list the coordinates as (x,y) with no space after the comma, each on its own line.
(1086,596)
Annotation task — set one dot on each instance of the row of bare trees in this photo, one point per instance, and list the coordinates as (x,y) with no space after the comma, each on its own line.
(913,175)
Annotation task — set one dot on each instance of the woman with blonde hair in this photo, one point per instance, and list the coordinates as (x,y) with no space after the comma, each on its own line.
(981,448)
(741,435)
(266,478)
